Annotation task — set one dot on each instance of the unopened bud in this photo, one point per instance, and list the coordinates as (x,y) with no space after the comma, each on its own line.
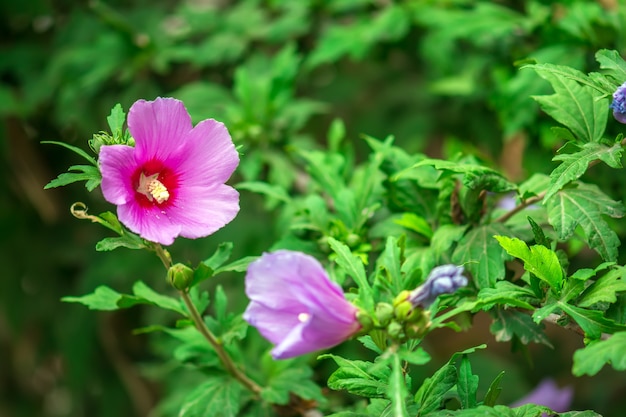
(180,276)
(384,313)
(365,321)
(444,279)
(395,330)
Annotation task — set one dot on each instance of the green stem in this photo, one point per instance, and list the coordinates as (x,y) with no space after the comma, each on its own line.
(226,360)
(522,206)
(219,348)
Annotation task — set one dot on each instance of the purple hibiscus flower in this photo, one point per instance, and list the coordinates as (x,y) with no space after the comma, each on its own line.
(295,305)
(548,394)
(171,183)
(619,104)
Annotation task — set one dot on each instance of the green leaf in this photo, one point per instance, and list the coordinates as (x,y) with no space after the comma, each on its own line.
(613,64)
(494,391)
(538,260)
(226,326)
(604,289)
(240,265)
(74,149)
(565,72)
(528,410)
(390,274)
(467,384)
(208,267)
(272,191)
(353,266)
(431,394)
(574,165)
(127,240)
(116,120)
(218,396)
(506,293)
(293,378)
(510,323)
(578,107)
(587,413)
(592,322)
(141,290)
(359,377)
(87,173)
(585,205)
(482,255)
(593,357)
(415,223)
(474,176)
(397,391)
(105,299)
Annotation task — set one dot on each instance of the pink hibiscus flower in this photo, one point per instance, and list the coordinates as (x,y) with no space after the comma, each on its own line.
(171,183)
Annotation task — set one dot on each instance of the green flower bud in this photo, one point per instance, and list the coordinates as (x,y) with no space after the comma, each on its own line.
(384,313)
(353,239)
(365,320)
(180,276)
(395,330)
(403,310)
(403,296)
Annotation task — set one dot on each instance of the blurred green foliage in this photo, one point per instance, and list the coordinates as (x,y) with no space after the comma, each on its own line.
(441,76)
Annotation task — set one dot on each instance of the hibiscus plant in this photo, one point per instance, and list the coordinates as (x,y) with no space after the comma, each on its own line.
(372,257)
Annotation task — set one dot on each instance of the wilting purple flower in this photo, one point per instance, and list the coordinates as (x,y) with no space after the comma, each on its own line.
(295,305)
(619,104)
(171,183)
(444,279)
(548,394)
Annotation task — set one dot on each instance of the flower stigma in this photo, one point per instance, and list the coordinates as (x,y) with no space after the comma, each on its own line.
(152,188)
(304,317)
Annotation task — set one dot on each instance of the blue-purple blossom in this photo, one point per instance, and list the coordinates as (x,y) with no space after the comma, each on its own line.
(295,305)
(444,279)
(619,104)
(548,394)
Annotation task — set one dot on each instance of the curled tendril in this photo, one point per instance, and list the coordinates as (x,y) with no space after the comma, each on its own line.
(79,210)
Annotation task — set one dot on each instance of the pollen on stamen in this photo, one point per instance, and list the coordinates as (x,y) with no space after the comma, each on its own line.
(158,191)
(303,317)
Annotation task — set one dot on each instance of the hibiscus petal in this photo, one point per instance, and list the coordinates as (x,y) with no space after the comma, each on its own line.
(200,211)
(272,324)
(159,128)
(117,165)
(214,157)
(151,223)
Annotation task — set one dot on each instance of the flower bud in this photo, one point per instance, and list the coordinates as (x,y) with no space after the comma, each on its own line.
(619,104)
(444,279)
(384,313)
(180,276)
(365,321)
(403,310)
(395,330)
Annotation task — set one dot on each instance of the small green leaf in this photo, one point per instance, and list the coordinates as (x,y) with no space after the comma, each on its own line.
(87,173)
(431,394)
(141,290)
(353,266)
(415,223)
(578,107)
(510,323)
(584,206)
(614,65)
(127,240)
(116,120)
(272,191)
(494,391)
(574,165)
(467,384)
(593,357)
(359,377)
(604,289)
(592,322)
(105,299)
(538,260)
(219,395)
(481,254)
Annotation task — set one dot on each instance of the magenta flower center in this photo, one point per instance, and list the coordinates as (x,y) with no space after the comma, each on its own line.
(154,184)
